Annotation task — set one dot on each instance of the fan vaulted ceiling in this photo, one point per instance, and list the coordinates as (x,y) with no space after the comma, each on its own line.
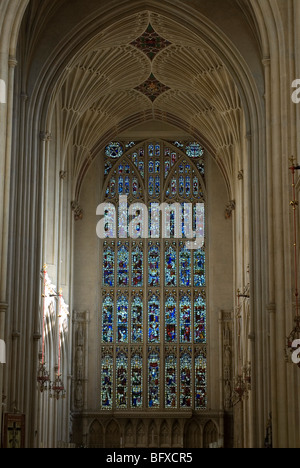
(144,68)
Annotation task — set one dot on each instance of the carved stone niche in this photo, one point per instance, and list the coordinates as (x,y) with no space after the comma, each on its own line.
(227,353)
(80,340)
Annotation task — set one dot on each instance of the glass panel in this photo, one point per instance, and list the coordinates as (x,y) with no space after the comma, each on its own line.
(186,381)
(170,267)
(171,382)
(170,319)
(121,185)
(107,383)
(107,320)
(154,319)
(151,186)
(200,319)
(151,151)
(154,266)
(127,185)
(123,270)
(199,268)
(135,187)
(108,267)
(185,267)
(151,167)
(122,384)
(185,320)
(200,382)
(122,319)
(137,267)
(154,377)
(188,186)
(194,150)
(137,320)
(136,382)
(157,185)
(112,187)
(114,150)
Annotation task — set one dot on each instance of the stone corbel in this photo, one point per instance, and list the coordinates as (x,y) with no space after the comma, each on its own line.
(78,211)
(230,207)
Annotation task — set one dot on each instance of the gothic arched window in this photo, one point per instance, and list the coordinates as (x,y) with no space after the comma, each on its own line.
(153,307)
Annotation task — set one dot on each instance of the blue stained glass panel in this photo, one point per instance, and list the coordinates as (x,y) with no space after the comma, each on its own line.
(107,320)
(171,319)
(127,185)
(151,151)
(151,167)
(122,319)
(153,320)
(199,268)
(108,267)
(188,186)
(121,185)
(151,186)
(170,267)
(154,266)
(153,380)
(157,185)
(171,382)
(137,267)
(185,319)
(185,267)
(123,268)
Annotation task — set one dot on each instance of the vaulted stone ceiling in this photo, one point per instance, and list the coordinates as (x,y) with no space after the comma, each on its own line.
(148,68)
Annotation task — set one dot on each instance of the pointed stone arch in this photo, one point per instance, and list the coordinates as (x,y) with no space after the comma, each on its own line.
(96,439)
(192,436)
(141,434)
(113,435)
(210,435)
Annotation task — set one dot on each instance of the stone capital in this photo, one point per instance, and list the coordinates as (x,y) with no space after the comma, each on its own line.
(3,307)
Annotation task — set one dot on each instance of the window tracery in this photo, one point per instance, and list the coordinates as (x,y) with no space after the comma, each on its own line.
(153,310)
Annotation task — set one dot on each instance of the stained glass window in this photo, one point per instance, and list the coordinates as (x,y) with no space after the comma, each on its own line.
(185,319)
(123,268)
(186,381)
(153,320)
(153,291)
(170,267)
(137,320)
(200,382)
(154,266)
(107,383)
(107,320)
(199,268)
(121,382)
(108,267)
(136,382)
(122,319)
(137,266)
(171,382)
(114,150)
(194,150)
(171,319)
(153,380)
(200,319)
(185,266)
